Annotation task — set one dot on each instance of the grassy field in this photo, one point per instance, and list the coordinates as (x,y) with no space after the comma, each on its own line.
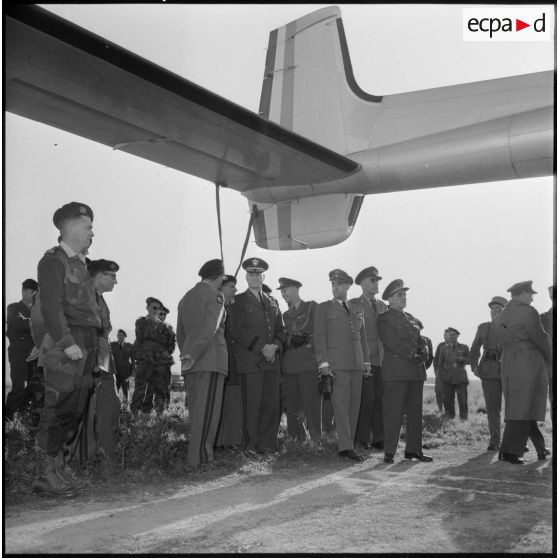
(152,450)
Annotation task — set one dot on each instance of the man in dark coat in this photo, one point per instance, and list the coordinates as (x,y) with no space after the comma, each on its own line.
(18,333)
(342,352)
(405,353)
(488,370)
(123,362)
(526,351)
(258,335)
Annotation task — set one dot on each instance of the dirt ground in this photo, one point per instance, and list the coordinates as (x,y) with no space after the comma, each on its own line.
(465,501)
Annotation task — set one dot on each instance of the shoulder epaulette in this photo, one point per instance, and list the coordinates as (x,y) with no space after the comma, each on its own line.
(52,250)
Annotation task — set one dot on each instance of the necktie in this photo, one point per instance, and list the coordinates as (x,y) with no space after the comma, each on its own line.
(262,301)
(344,303)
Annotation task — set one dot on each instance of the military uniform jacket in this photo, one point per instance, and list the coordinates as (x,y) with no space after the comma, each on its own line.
(489,365)
(372,309)
(123,362)
(299,326)
(232,377)
(400,334)
(104,358)
(340,338)
(253,326)
(18,331)
(200,329)
(453,359)
(155,341)
(67,296)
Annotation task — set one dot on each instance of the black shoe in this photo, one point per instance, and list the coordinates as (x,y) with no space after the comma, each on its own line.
(377,446)
(419,456)
(388,458)
(493,447)
(510,458)
(363,445)
(351,454)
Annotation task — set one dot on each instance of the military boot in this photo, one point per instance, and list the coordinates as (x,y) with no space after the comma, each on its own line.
(66,474)
(48,483)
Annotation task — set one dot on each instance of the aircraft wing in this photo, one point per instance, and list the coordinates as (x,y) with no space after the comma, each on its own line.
(62,75)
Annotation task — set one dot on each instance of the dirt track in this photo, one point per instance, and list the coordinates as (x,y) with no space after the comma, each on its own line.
(459,503)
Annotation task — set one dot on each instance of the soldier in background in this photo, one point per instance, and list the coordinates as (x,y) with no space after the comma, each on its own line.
(123,363)
(370,426)
(526,352)
(302,396)
(438,385)
(163,316)
(547,319)
(488,370)
(153,347)
(453,358)
(229,433)
(342,352)
(18,333)
(258,335)
(71,319)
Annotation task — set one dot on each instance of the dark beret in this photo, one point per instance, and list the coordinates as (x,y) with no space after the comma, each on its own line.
(393,287)
(151,300)
(229,279)
(122,331)
(101,266)
(266,289)
(340,275)
(211,268)
(522,287)
(164,309)
(367,272)
(497,300)
(286,282)
(30,284)
(72,209)
(452,330)
(255,265)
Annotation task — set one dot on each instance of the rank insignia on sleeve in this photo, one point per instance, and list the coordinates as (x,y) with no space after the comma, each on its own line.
(220,299)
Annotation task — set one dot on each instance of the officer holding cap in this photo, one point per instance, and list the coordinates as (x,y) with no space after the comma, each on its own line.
(258,335)
(300,382)
(453,358)
(342,351)
(200,333)
(370,426)
(488,370)
(526,350)
(404,373)
(18,333)
(71,319)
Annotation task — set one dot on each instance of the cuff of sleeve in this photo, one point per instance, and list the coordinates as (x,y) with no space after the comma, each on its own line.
(65,341)
(258,346)
(324,365)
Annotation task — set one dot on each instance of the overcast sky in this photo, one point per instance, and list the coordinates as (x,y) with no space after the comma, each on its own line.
(454,247)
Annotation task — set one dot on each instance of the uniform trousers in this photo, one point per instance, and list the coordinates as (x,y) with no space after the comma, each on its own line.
(492,390)
(345,400)
(516,434)
(304,405)
(205,395)
(122,383)
(370,419)
(229,432)
(68,386)
(151,382)
(260,409)
(403,396)
(450,391)
(20,373)
(328,424)
(439,391)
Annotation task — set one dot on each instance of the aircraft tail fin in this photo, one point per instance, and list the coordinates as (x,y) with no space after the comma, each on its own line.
(309,86)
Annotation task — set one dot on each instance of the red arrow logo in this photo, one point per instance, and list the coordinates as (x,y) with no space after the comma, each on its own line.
(519,25)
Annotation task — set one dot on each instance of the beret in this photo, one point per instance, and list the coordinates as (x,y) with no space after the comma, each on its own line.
(452,330)
(229,279)
(151,300)
(211,268)
(367,272)
(497,300)
(72,209)
(393,287)
(164,309)
(255,265)
(522,287)
(340,275)
(100,266)
(122,331)
(30,284)
(286,282)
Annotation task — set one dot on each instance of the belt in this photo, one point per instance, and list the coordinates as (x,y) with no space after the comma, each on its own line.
(520,345)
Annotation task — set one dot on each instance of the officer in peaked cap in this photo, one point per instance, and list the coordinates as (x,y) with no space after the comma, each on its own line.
(163,313)
(102,266)
(370,427)
(488,370)
(404,373)
(285,282)
(155,303)
(258,335)
(70,211)
(526,352)
(342,351)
